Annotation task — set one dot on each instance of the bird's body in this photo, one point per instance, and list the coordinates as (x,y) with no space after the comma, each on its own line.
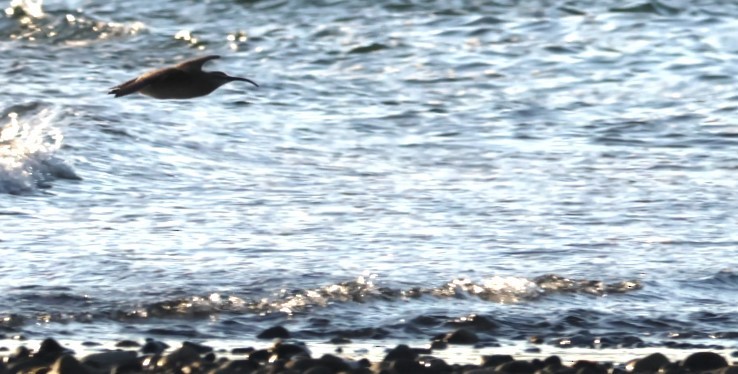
(182,81)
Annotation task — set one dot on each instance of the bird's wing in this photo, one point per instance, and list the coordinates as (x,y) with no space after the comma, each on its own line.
(139,83)
(195,64)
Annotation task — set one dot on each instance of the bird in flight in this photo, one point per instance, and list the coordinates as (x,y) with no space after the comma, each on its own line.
(185,80)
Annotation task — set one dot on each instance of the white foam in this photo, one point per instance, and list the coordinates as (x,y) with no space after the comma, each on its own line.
(27,148)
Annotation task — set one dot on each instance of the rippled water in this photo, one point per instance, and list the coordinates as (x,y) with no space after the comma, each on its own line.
(561,169)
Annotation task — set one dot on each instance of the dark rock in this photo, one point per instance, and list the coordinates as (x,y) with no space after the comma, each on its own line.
(300,363)
(439,345)
(334,363)
(127,344)
(179,358)
(649,364)
(154,347)
(242,351)
(20,353)
(404,366)
(90,344)
(198,347)
(260,356)
(68,365)
(477,370)
(237,366)
(589,367)
(319,369)
(516,367)
(552,362)
(50,348)
(532,350)
(401,352)
(495,360)
(108,360)
(23,362)
(435,365)
(209,357)
(285,351)
(129,368)
(728,370)
(704,361)
(461,336)
(276,332)
(340,340)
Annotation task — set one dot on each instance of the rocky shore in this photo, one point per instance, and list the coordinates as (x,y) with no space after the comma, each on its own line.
(288,356)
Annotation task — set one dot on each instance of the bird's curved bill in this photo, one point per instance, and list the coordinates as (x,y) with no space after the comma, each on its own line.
(244,79)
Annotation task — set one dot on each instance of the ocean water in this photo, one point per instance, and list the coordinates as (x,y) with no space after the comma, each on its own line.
(557,169)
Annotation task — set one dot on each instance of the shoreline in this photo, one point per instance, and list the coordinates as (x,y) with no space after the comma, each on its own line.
(69,356)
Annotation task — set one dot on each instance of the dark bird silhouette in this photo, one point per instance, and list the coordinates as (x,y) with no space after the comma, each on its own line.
(182,81)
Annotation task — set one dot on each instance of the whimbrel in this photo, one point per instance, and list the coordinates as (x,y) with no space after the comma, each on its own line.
(182,81)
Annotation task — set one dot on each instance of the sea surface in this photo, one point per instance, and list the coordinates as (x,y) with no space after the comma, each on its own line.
(563,171)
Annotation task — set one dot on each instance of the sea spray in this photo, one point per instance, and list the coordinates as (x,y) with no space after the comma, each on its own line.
(27,153)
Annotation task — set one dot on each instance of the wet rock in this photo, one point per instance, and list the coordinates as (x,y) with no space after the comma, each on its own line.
(276,332)
(704,361)
(728,370)
(127,344)
(434,364)
(90,344)
(108,360)
(20,353)
(496,360)
(236,366)
(516,367)
(68,365)
(403,366)
(461,336)
(50,348)
(154,347)
(22,361)
(536,339)
(649,364)
(319,370)
(285,351)
(438,345)
(401,352)
(260,356)
(179,358)
(242,351)
(334,363)
(589,367)
(300,363)
(340,340)
(201,349)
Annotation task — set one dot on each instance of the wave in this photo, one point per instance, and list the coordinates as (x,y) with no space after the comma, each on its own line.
(28,143)
(28,20)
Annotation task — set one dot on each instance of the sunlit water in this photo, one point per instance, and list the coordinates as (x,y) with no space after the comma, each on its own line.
(561,169)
